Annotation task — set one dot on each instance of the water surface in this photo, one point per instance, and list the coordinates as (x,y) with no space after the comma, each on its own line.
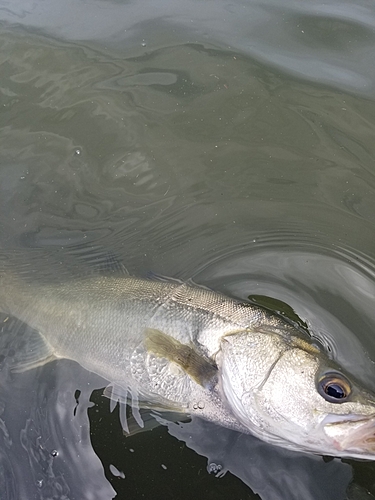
(231,143)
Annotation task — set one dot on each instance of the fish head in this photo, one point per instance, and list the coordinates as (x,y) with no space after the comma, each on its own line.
(289,393)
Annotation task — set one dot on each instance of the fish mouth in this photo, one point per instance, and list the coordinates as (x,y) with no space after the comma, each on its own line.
(352,436)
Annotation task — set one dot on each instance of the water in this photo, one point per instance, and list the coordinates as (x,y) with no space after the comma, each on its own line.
(231,143)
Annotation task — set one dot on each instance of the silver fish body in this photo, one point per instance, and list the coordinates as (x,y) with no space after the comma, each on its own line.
(188,349)
(100,322)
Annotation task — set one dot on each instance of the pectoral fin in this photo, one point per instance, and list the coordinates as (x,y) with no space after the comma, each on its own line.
(198,367)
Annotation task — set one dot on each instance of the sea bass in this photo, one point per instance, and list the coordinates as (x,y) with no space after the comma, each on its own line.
(179,347)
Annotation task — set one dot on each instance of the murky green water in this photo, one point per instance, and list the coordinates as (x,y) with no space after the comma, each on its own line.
(228,143)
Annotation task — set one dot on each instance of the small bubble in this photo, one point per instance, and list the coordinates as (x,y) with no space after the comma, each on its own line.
(213,468)
(199,405)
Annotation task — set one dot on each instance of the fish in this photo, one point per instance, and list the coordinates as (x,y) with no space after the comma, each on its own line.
(179,347)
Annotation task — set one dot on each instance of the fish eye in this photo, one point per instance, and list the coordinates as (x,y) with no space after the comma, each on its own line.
(334,387)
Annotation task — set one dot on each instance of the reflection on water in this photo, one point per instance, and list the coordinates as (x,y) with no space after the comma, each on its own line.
(268,471)
(45,437)
(231,144)
(325,43)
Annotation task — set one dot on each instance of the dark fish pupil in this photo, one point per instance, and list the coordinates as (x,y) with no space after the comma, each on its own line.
(335,391)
